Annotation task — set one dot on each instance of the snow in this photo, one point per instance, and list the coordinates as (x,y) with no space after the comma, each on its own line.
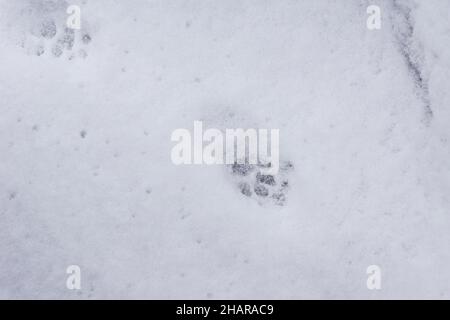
(85,170)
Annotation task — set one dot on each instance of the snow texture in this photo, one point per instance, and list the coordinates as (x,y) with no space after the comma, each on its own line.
(86,176)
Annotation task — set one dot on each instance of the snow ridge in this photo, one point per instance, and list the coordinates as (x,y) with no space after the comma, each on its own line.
(410,48)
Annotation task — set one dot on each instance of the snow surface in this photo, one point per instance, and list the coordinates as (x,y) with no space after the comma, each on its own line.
(85,170)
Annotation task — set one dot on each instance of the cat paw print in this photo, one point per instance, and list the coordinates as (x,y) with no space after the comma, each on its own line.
(48,34)
(252,182)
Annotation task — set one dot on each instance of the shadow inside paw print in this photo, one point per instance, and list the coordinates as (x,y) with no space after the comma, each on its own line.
(265,188)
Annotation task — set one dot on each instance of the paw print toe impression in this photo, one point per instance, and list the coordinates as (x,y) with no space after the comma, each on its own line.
(264,188)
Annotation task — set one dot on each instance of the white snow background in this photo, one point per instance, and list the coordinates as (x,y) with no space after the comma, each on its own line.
(85,170)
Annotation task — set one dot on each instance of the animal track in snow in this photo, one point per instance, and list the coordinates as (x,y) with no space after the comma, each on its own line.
(265,188)
(46,32)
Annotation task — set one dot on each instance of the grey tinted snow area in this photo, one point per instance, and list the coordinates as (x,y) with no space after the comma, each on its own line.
(86,177)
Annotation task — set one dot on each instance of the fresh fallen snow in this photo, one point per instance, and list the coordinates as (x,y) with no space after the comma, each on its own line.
(85,169)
